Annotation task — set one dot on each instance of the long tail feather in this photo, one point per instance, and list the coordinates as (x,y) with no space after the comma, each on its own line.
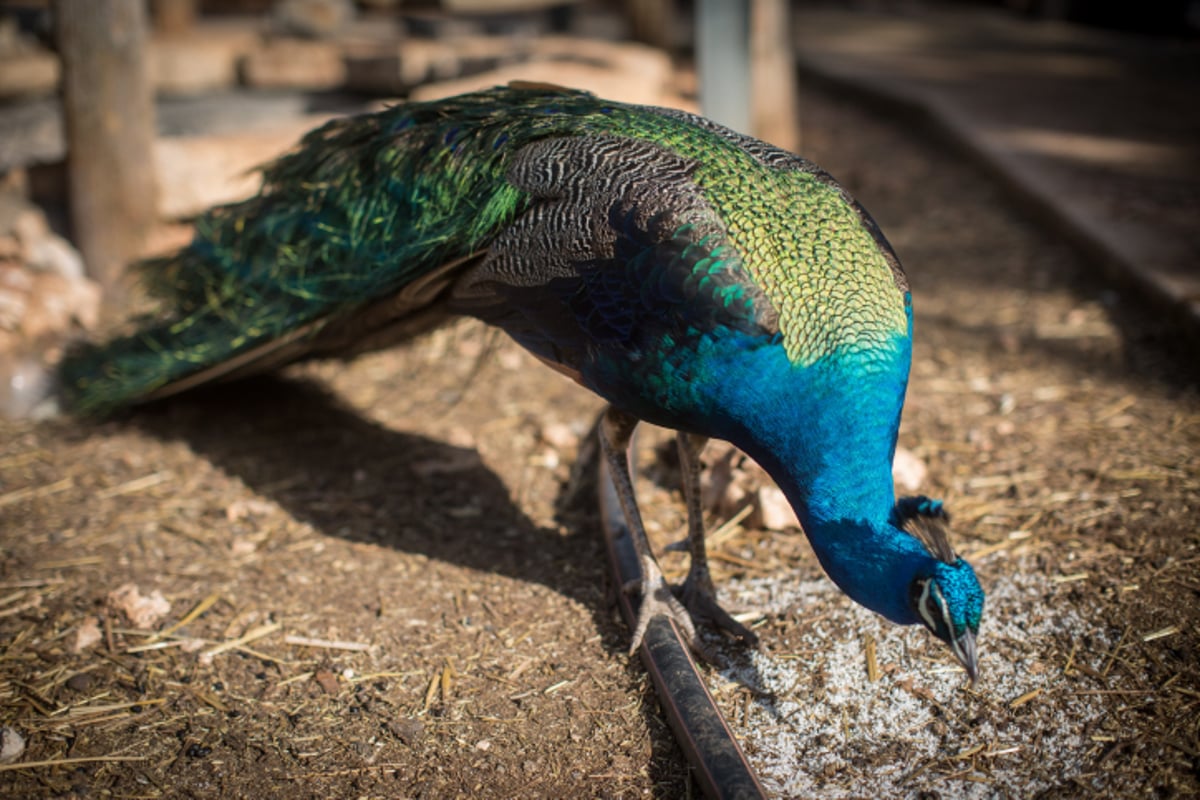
(318,262)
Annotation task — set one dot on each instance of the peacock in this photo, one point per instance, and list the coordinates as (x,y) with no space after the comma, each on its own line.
(693,277)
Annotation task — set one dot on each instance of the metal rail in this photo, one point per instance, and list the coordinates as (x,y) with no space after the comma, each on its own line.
(718,763)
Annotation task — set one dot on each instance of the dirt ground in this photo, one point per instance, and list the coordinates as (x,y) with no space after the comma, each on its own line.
(380,584)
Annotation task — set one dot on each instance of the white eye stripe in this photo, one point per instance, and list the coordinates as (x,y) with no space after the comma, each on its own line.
(923,605)
(945,608)
(929,589)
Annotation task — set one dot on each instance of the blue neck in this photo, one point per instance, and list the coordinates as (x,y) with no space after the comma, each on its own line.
(826,433)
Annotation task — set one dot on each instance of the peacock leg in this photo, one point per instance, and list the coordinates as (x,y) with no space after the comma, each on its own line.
(698,594)
(616,432)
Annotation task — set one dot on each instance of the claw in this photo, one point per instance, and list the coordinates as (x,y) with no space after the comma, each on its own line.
(686,605)
(701,603)
(658,599)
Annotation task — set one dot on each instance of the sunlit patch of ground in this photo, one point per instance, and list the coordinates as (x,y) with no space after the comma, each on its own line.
(1062,699)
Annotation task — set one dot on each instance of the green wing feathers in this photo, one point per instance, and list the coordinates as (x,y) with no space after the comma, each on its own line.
(361,208)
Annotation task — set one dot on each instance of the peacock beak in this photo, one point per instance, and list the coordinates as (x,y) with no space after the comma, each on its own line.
(964,650)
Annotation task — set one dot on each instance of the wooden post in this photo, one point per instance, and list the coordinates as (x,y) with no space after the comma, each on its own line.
(723,61)
(108,113)
(773,75)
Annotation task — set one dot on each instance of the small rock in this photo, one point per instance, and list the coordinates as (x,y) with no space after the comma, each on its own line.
(327,681)
(460,436)
(908,471)
(142,611)
(242,546)
(559,436)
(81,682)
(25,384)
(86,635)
(732,500)
(548,458)
(775,512)
(733,480)
(240,509)
(408,731)
(510,359)
(12,745)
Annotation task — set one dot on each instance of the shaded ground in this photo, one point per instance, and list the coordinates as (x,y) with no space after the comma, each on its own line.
(408,504)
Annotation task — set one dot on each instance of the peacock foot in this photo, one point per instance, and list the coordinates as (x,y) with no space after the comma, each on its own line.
(659,599)
(700,599)
(687,605)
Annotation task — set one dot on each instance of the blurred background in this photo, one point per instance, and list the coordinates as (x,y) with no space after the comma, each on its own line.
(121,120)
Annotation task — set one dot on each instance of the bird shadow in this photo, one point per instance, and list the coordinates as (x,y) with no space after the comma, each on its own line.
(294,442)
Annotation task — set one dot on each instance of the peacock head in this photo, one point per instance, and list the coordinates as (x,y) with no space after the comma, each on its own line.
(949,601)
(946,596)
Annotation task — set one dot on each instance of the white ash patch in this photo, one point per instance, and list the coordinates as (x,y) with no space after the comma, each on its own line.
(820,728)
